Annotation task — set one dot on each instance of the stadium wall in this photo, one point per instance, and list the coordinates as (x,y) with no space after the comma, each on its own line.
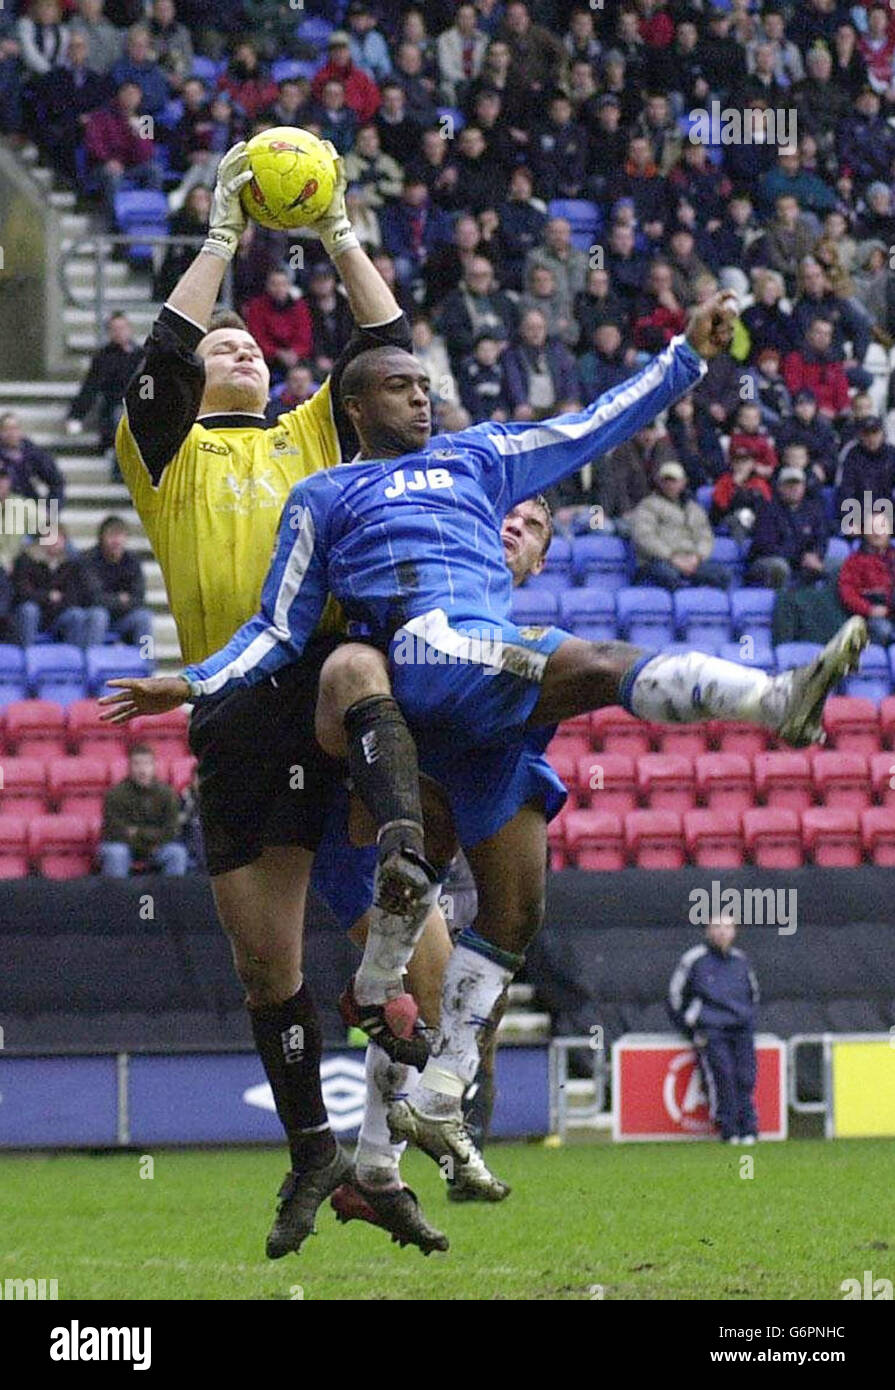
(143,963)
(28,262)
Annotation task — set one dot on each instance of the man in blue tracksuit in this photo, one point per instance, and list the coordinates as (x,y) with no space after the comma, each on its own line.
(712,998)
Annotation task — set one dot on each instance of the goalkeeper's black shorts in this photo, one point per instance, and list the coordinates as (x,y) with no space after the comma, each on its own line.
(263,778)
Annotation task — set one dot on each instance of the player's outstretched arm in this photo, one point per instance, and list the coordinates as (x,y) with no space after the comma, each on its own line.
(533,457)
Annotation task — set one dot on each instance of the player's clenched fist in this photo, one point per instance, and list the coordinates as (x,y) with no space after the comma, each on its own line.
(146,695)
(710,329)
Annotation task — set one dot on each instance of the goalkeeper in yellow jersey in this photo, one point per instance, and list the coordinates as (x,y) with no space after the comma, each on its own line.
(209,477)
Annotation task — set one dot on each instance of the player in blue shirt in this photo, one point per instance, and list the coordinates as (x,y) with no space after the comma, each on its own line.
(408,539)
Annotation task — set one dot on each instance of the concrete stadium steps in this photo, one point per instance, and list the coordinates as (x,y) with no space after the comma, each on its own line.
(522,1023)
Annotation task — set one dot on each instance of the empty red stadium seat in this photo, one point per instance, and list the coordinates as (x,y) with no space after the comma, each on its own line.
(62,846)
(852,724)
(166,733)
(841,779)
(724,781)
(87,736)
(737,737)
(687,740)
(556,842)
(564,763)
(773,836)
(578,727)
(77,785)
(666,781)
(878,835)
(14,857)
(655,839)
(607,782)
(882,777)
(714,838)
(180,772)
(23,787)
(36,727)
(831,836)
(784,779)
(614,730)
(595,840)
(887,721)
(571,747)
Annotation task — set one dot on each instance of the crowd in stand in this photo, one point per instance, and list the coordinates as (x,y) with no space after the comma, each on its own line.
(462,125)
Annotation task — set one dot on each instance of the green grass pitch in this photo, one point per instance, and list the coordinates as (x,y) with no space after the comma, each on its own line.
(584,1221)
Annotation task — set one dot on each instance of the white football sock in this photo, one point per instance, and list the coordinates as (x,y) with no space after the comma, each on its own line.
(390,944)
(473,983)
(377,1158)
(689,687)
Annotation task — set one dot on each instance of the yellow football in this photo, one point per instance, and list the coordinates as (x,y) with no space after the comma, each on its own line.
(293,178)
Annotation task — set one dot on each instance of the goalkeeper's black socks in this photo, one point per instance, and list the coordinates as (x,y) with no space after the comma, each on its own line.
(290,1045)
(382,761)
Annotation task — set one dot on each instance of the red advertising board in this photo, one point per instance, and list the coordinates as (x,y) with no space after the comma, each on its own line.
(658,1092)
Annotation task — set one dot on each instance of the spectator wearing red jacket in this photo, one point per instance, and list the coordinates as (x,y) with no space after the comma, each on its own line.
(280,324)
(739,494)
(867,580)
(815,367)
(117,145)
(747,433)
(246,82)
(659,314)
(361,92)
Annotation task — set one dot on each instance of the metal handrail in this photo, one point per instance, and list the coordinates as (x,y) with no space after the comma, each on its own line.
(98,244)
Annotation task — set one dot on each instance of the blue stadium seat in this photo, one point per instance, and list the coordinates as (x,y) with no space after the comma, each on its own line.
(139,210)
(556,581)
(751,608)
(55,672)
(314,29)
(704,496)
(13,683)
(282,68)
(534,607)
(601,559)
(760,654)
(873,678)
(587,605)
(168,118)
(702,613)
(454,115)
(208,70)
(838,550)
(829,501)
(791,654)
(707,647)
(645,616)
(727,552)
(583,216)
(559,555)
(105,662)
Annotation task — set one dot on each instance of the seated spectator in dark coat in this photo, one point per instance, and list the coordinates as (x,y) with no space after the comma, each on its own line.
(786,242)
(865,141)
(717,396)
(672,536)
(807,426)
(191,220)
(432,166)
(608,146)
(732,242)
(807,612)
(111,368)
(641,181)
(62,99)
(399,132)
(521,226)
(56,593)
(814,365)
(867,580)
(482,380)
(606,364)
(541,375)
(481,179)
(695,443)
(866,474)
(141,822)
(626,265)
(767,324)
(412,229)
(331,320)
(598,303)
(138,65)
(120,583)
(704,185)
(419,89)
(280,323)
(790,537)
(116,146)
(558,152)
(334,117)
(293,105)
(773,398)
(818,300)
(33,471)
(876,221)
(475,305)
(248,85)
(739,494)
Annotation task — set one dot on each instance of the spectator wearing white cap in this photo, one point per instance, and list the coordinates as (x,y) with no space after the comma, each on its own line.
(672,536)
